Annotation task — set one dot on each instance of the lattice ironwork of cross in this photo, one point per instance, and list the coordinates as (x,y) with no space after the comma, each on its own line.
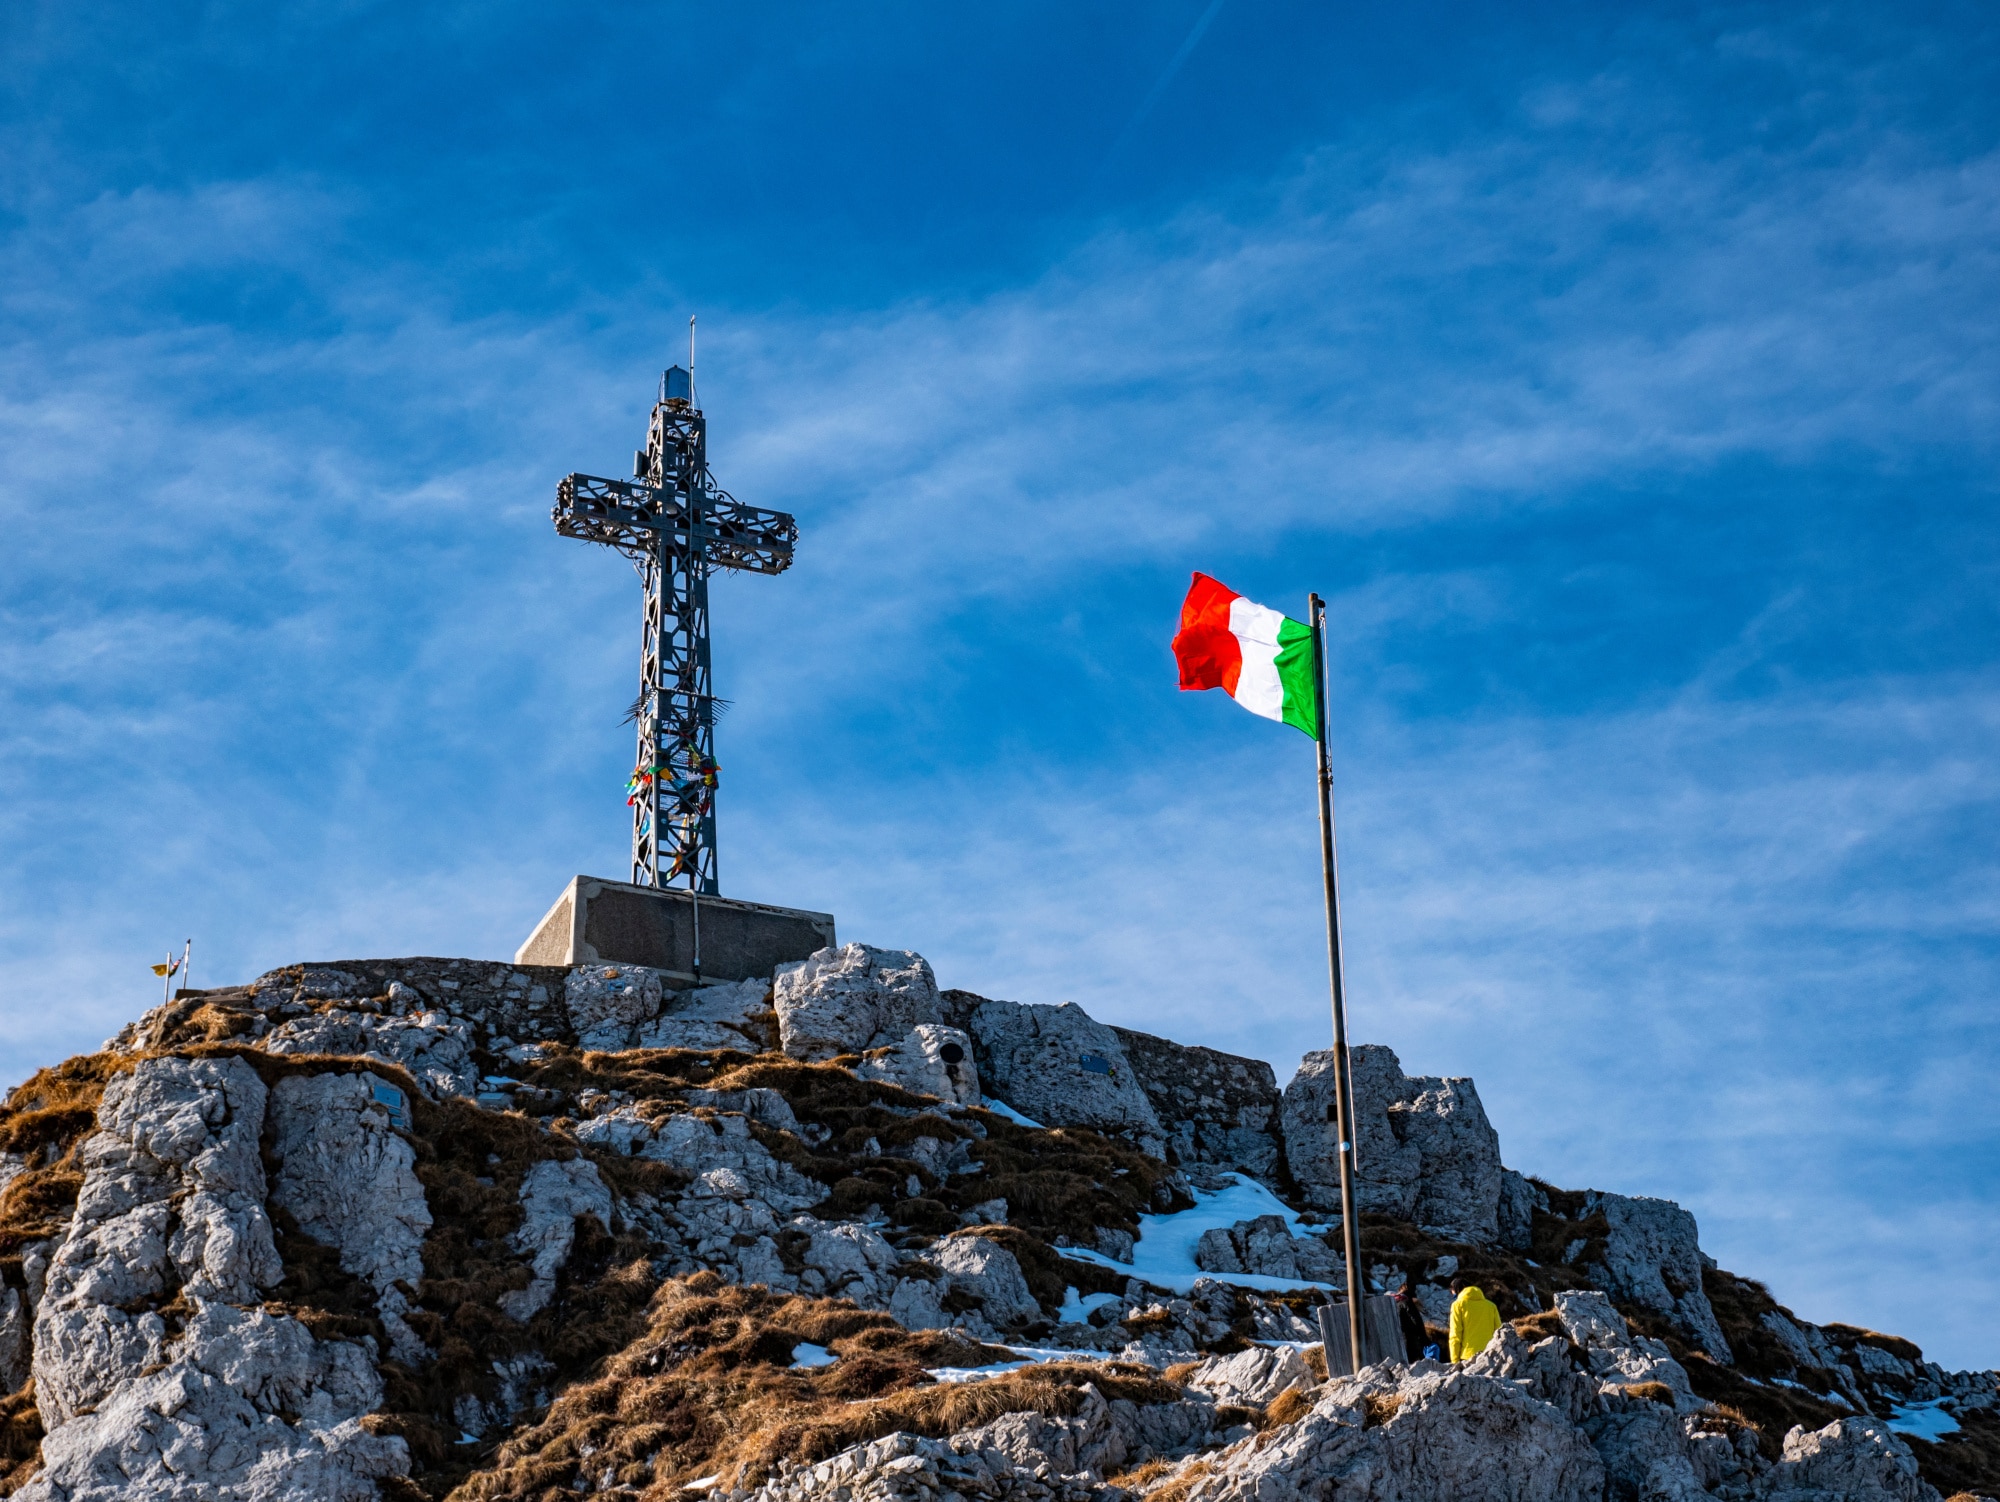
(675,524)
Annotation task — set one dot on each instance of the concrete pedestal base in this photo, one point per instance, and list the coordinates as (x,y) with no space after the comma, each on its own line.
(613,922)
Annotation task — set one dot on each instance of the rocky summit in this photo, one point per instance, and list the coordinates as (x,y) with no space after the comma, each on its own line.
(442,1228)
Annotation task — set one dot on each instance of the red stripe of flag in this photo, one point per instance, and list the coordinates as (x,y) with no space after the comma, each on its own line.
(1207,650)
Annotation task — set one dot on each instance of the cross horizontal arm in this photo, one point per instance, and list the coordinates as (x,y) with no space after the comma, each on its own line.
(630,517)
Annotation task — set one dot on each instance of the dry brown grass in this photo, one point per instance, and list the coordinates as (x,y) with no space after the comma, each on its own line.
(20,1439)
(1652,1392)
(1377,1408)
(1895,1345)
(1288,1407)
(1183,1481)
(1316,1362)
(1534,1327)
(1138,1479)
(709,1389)
(45,1120)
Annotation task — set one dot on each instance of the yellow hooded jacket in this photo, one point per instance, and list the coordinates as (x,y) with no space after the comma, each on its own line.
(1474,1322)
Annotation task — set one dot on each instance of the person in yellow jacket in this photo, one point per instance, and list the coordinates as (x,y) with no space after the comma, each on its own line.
(1474,1321)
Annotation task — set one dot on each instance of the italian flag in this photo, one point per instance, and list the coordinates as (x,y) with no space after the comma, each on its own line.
(1259,657)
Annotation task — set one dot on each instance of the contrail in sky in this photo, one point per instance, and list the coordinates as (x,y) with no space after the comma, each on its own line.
(1160,85)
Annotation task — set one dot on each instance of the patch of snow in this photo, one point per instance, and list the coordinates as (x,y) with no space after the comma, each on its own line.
(805,1353)
(1923,1420)
(467,1439)
(1077,1311)
(1164,1253)
(1000,1107)
(1030,1356)
(974,1373)
(703,1483)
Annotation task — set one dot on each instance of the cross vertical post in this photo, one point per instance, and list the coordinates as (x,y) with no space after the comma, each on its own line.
(676,525)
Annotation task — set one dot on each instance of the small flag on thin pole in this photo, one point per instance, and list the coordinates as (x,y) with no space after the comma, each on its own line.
(174,967)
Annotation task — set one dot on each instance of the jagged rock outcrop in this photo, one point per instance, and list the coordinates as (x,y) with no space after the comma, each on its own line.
(989,1274)
(931,1060)
(729,1016)
(1267,1246)
(428,1045)
(1253,1376)
(554,1197)
(909,1468)
(852,999)
(1424,1150)
(287,1240)
(1216,1108)
(348,1179)
(1649,1251)
(1057,1065)
(1440,1434)
(1848,1458)
(227,1400)
(1617,1357)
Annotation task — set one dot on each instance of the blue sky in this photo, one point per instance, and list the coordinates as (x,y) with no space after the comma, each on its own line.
(1627,380)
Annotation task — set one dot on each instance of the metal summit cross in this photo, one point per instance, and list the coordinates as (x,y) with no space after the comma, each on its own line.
(675,524)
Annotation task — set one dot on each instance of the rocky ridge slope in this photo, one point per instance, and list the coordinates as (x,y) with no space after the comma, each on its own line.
(444,1228)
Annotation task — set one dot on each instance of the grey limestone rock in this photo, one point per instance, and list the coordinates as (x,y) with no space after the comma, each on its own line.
(717,1148)
(904,1467)
(1617,1357)
(1100,1437)
(238,1403)
(1652,1256)
(757,1104)
(1254,1375)
(931,1060)
(852,999)
(172,1197)
(846,1260)
(1266,1245)
(918,1304)
(1216,1108)
(1646,1453)
(349,1180)
(1543,1370)
(715,1017)
(1853,1460)
(435,1050)
(1807,1347)
(16,1337)
(607,1003)
(986,1271)
(1424,1150)
(1452,1434)
(1059,1066)
(554,1196)
(242,1406)
(1519,1200)
(1086,1441)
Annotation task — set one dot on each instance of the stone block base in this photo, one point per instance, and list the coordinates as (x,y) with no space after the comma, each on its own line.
(614,922)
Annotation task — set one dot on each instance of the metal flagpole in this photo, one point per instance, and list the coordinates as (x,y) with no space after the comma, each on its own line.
(1343,1082)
